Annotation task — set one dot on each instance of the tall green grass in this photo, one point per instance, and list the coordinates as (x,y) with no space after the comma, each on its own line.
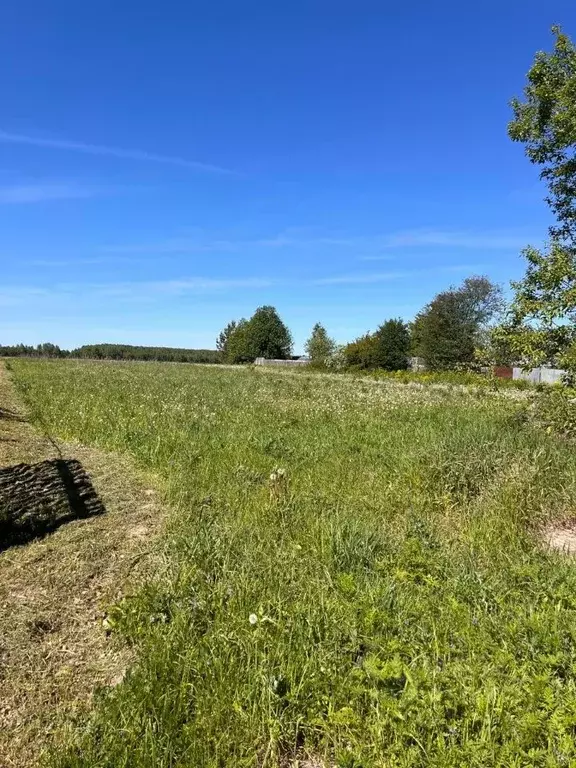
(385,605)
(455,378)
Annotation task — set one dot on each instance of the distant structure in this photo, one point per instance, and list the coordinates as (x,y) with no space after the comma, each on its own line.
(417,364)
(540,375)
(289,363)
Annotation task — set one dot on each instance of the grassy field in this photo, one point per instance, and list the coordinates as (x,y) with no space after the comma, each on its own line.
(382,601)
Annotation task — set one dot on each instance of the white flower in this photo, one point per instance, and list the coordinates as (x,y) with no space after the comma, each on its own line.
(253,619)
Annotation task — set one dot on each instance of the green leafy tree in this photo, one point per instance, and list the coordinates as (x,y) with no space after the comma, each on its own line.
(319,347)
(540,324)
(237,350)
(224,338)
(265,335)
(449,329)
(391,346)
(494,349)
(360,352)
(545,122)
(445,333)
(482,300)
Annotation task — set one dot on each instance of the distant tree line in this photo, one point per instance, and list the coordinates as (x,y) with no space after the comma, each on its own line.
(464,326)
(159,354)
(469,325)
(26,350)
(115,352)
(452,331)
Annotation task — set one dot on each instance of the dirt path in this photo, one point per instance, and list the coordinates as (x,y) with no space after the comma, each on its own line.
(53,647)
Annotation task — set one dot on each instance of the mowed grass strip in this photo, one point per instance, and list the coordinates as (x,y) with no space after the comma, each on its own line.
(53,652)
(382,602)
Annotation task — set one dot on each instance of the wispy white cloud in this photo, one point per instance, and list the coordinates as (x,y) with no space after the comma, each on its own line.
(43,192)
(366,278)
(98,149)
(179,287)
(161,290)
(202,245)
(205,285)
(367,247)
(97,294)
(456,239)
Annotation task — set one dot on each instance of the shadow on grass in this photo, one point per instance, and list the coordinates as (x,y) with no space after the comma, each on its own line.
(36,499)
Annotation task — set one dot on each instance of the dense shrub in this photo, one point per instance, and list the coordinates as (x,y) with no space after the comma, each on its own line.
(359,353)
(555,409)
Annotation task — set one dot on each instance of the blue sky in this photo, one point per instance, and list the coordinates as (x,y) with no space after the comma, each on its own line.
(165,167)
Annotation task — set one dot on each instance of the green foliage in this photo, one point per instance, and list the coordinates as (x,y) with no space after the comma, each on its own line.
(445,333)
(359,353)
(388,348)
(267,336)
(160,354)
(320,347)
(114,352)
(337,360)
(494,348)
(448,329)
(545,122)
(264,335)
(237,350)
(555,409)
(223,340)
(24,350)
(391,608)
(391,346)
(540,325)
(482,301)
(452,377)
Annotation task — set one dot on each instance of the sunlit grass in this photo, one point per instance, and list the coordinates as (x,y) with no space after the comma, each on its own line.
(383,604)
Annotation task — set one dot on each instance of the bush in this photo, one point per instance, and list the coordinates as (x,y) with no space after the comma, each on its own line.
(555,409)
(388,348)
(359,353)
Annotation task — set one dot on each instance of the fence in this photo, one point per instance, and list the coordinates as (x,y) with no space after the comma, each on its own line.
(539,375)
(288,363)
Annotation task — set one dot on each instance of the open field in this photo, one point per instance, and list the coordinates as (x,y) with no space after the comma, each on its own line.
(382,602)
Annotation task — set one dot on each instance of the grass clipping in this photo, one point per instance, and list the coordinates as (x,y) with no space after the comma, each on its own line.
(54,650)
